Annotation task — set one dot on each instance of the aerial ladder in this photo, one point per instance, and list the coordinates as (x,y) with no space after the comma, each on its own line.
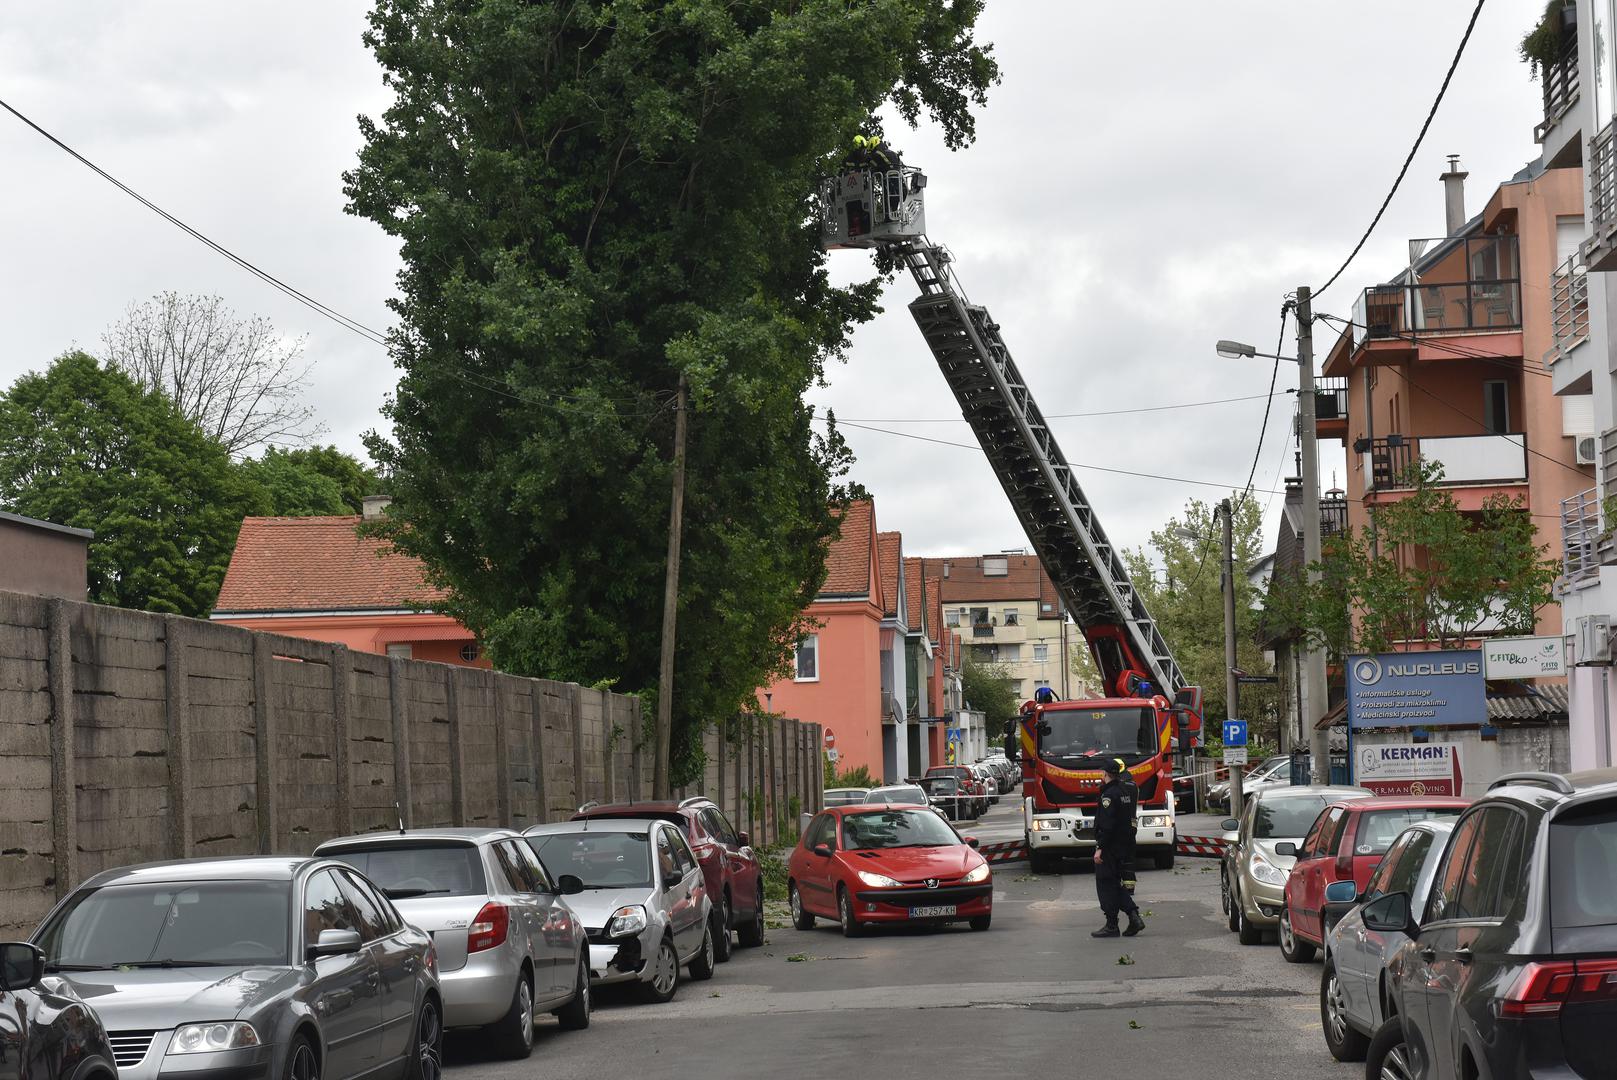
(1062,743)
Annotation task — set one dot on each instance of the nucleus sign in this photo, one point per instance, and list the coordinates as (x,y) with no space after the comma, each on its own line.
(1424,689)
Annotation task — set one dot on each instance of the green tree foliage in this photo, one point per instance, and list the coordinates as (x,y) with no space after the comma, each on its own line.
(83,445)
(592,200)
(989,689)
(312,480)
(1427,573)
(1180,582)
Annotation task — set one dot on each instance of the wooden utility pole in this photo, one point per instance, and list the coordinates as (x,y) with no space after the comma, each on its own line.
(660,787)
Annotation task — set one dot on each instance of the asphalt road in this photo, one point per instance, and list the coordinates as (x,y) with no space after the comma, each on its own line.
(1034,991)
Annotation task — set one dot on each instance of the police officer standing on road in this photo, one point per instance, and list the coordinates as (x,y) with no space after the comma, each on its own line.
(1114,851)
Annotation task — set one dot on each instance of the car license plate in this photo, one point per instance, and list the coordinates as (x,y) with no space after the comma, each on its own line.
(932,912)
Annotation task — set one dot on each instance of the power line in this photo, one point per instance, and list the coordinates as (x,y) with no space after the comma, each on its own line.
(1425,125)
(1445,346)
(1076,415)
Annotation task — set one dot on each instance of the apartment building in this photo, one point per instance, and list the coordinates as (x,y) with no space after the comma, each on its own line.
(1007,612)
(1579,129)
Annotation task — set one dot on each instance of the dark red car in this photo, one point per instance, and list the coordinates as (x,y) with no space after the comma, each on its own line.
(729,866)
(969,785)
(1345,843)
(862,865)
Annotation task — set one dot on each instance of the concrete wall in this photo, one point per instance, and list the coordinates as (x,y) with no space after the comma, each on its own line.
(128,737)
(1517,749)
(42,561)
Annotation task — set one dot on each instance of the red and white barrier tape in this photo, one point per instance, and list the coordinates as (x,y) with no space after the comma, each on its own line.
(1204,847)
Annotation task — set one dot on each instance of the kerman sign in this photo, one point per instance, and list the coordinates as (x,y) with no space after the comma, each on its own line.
(1424,689)
(1409,769)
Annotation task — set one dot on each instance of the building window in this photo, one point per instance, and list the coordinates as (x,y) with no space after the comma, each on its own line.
(808,659)
(1047,607)
(471,652)
(1010,654)
(403,652)
(1495,406)
(1041,653)
(996,566)
(1010,616)
(1038,683)
(985,654)
(951,617)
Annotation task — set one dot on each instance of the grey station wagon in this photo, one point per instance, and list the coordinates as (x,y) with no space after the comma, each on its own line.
(249,968)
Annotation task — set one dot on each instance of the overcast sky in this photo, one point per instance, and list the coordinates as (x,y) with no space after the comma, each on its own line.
(1147,179)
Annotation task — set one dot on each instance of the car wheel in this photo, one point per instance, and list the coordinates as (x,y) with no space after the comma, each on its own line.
(1041,863)
(1224,891)
(664,975)
(513,1033)
(427,1056)
(706,958)
(1344,1041)
(801,918)
(301,1063)
(1388,1055)
(751,935)
(845,915)
(1249,934)
(981,922)
(1293,948)
(575,1015)
(721,931)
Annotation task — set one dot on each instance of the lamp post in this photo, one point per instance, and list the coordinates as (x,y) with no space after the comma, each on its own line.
(1314,703)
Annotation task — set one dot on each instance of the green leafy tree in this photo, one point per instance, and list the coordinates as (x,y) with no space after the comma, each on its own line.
(312,480)
(595,200)
(1181,584)
(991,690)
(1427,572)
(84,445)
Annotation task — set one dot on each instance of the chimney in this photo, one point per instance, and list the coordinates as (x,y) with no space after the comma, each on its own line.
(375,505)
(1454,195)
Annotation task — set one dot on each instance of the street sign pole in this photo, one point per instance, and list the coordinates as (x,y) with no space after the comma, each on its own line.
(1232,683)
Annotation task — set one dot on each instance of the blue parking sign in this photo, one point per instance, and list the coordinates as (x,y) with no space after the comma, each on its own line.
(1235,733)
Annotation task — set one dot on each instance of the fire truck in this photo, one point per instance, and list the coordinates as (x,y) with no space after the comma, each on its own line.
(1151,711)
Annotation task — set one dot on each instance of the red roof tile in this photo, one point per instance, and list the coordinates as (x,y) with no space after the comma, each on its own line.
(916,594)
(889,546)
(847,561)
(319,564)
(1025,579)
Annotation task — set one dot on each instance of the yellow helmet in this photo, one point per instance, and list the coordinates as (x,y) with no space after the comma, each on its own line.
(863,140)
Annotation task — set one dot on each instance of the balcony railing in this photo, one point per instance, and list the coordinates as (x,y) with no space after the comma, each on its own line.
(982,629)
(1569,307)
(1580,536)
(1453,285)
(1330,398)
(1602,168)
(1560,83)
(1332,517)
(1465,459)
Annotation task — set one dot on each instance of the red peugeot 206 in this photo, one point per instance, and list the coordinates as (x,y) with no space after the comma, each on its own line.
(864,865)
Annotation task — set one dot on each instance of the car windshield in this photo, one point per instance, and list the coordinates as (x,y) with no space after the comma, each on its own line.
(941,785)
(1583,867)
(404,871)
(1379,828)
(889,795)
(601,860)
(844,797)
(875,829)
(172,924)
(1076,734)
(1285,819)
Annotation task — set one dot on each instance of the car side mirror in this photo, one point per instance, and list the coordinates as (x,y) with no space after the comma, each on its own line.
(743,839)
(972,841)
(1341,892)
(1286,847)
(334,943)
(1229,824)
(822,850)
(21,965)
(1390,914)
(569,885)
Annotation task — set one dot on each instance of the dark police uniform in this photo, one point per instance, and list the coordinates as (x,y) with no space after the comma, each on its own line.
(1114,835)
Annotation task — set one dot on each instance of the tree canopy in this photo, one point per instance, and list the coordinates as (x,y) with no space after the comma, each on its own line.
(84,445)
(594,199)
(311,480)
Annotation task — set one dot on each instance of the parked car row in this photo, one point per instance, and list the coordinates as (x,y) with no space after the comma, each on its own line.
(1460,939)
(354,960)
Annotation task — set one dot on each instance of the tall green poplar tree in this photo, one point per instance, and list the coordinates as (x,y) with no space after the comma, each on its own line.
(594,199)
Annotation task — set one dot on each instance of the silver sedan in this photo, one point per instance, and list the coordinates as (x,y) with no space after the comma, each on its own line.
(250,968)
(509,946)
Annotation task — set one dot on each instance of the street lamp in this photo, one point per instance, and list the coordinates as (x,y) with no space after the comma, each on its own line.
(1314,699)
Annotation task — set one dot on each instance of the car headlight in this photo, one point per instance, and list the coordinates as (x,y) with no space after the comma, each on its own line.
(1154,821)
(1267,872)
(1048,824)
(630,919)
(879,881)
(979,874)
(208,1038)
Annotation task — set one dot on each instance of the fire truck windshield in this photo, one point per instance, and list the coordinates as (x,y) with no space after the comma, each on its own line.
(1076,734)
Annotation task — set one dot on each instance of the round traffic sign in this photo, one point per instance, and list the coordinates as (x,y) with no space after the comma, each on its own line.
(830,739)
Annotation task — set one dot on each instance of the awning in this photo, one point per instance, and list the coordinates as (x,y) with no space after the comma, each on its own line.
(398,635)
(1525,701)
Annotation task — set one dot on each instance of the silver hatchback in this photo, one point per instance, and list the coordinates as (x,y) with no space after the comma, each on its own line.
(249,968)
(645,903)
(509,946)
